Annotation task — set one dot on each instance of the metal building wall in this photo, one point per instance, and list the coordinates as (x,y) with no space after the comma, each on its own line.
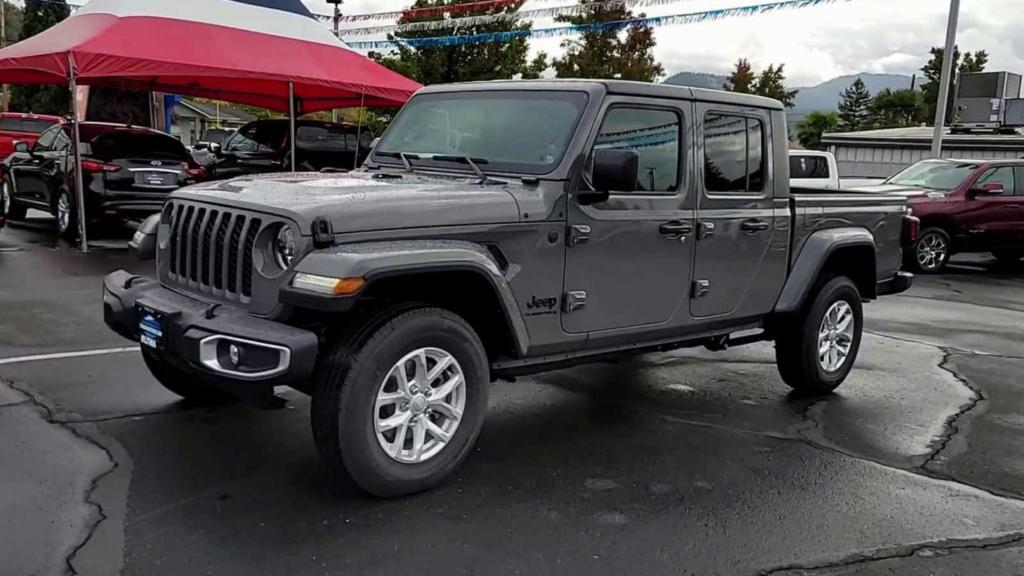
(881,162)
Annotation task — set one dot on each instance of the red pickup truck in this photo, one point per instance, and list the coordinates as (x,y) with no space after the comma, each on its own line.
(20,127)
(964,206)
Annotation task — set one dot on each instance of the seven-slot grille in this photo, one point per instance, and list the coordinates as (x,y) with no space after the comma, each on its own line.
(211,249)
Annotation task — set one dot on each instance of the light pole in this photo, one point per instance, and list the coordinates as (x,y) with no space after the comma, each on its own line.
(946,78)
(337,21)
(3,42)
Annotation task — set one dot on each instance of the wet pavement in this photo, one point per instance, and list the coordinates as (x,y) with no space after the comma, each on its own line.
(687,462)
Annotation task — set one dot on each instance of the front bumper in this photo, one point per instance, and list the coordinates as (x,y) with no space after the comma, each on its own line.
(196,336)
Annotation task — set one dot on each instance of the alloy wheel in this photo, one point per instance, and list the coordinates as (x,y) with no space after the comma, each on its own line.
(419,405)
(63,212)
(931,251)
(835,336)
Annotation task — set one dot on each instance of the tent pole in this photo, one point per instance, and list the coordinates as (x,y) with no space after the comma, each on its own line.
(359,129)
(79,190)
(291,121)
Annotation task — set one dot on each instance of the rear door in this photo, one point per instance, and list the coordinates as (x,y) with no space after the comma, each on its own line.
(740,250)
(628,258)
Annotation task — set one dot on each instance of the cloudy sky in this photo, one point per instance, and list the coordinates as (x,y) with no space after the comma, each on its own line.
(815,43)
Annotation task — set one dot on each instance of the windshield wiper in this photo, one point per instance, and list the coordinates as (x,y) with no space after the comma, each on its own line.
(403,156)
(470,161)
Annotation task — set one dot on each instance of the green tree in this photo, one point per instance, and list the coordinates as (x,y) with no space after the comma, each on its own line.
(812,127)
(854,113)
(895,108)
(742,78)
(972,62)
(605,52)
(468,62)
(38,16)
(771,83)
(12,19)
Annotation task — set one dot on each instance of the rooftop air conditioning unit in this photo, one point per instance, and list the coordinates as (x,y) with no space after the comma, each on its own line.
(981,100)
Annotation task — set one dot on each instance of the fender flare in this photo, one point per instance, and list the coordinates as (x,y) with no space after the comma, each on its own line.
(808,265)
(377,260)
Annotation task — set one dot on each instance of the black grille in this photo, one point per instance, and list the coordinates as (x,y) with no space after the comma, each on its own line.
(211,249)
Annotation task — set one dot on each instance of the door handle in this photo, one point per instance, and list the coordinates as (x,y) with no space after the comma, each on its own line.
(754,226)
(675,229)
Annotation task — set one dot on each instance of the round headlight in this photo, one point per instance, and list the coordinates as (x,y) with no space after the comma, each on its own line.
(284,247)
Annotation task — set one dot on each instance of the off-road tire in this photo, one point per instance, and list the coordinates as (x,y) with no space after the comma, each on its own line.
(345,387)
(796,343)
(182,384)
(912,261)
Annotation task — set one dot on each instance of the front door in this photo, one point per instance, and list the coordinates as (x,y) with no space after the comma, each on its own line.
(27,169)
(628,258)
(741,240)
(991,220)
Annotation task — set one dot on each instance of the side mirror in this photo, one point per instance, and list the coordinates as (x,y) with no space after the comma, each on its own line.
(613,171)
(214,147)
(144,240)
(21,146)
(988,189)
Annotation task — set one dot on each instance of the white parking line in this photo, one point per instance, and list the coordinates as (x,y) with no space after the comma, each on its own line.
(63,355)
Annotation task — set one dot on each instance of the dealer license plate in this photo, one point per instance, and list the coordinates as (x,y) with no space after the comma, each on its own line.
(147,178)
(151,327)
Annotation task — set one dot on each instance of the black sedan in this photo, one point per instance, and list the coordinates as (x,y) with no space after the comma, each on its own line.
(264,146)
(126,171)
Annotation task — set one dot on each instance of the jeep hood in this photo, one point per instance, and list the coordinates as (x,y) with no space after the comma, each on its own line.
(364,201)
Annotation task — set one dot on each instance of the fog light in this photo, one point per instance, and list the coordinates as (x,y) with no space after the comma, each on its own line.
(235,355)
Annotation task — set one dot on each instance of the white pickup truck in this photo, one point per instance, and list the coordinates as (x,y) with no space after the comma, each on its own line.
(813,169)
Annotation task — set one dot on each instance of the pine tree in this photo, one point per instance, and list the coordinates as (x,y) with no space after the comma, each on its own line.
(38,15)
(815,124)
(854,108)
(742,78)
(771,83)
(895,108)
(603,52)
(467,62)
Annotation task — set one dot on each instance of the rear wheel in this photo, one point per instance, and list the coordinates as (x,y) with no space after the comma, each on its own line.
(931,251)
(816,351)
(66,217)
(182,384)
(399,405)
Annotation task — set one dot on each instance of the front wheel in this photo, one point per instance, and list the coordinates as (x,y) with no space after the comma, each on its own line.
(399,405)
(11,209)
(931,252)
(816,351)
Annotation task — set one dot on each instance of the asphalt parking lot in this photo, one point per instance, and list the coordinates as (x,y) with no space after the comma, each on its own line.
(687,462)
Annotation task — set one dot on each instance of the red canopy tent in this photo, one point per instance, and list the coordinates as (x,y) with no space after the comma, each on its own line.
(269,53)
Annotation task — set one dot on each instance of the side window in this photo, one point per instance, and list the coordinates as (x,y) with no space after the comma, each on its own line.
(1019,170)
(1002,176)
(654,135)
(61,141)
(734,154)
(45,141)
(801,166)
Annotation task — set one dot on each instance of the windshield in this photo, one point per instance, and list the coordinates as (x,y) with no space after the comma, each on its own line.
(934,174)
(513,131)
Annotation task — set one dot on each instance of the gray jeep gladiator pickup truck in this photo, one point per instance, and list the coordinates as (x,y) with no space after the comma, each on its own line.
(500,229)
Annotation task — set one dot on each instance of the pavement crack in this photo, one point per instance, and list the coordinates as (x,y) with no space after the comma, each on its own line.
(101,515)
(952,426)
(908,551)
(944,348)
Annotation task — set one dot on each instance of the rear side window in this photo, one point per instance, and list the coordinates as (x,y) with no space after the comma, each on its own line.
(326,138)
(734,154)
(808,167)
(124,144)
(654,135)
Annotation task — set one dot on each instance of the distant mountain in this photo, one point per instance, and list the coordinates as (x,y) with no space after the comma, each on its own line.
(697,80)
(824,96)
